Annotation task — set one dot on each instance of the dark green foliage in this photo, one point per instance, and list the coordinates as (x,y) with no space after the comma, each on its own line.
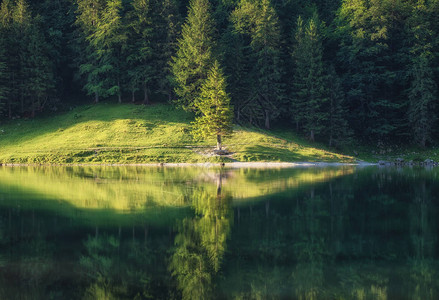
(104,37)
(382,87)
(258,25)
(139,49)
(337,128)
(27,70)
(167,25)
(194,56)
(213,105)
(88,16)
(373,64)
(422,101)
(310,94)
(3,86)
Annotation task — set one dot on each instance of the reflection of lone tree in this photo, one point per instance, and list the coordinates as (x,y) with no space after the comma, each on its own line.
(201,243)
(214,106)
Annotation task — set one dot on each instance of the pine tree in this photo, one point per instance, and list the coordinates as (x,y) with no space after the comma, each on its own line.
(88,15)
(371,38)
(300,74)
(107,40)
(57,26)
(266,46)
(422,101)
(6,80)
(3,81)
(337,125)
(22,22)
(422,91)
(258,25)
(310,80)
(236,59)
(166,24)
(39,78)
(194,55)
(213,104)
(139,50)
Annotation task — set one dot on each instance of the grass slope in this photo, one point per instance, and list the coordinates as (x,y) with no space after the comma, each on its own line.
(114,133)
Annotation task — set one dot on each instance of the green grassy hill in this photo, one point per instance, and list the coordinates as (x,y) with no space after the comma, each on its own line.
(113,133)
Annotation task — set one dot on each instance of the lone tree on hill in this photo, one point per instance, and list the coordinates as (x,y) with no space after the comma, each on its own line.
(213,104)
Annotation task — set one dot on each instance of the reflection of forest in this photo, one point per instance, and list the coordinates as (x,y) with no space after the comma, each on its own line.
(370,235)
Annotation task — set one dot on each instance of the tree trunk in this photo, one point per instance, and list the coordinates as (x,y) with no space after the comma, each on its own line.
(96,97)
(311,137)
(423,141)
(133,96)
(218,142)
(145,98)
(119,93)
(267,119)
(33,109)
(170,95)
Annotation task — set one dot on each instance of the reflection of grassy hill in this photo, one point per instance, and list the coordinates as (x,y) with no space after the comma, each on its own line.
(108,133)
(140,190)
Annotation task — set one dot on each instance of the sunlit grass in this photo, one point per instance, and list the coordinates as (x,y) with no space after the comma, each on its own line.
(112,133)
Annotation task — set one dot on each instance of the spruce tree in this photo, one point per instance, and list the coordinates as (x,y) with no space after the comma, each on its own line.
(372,61)
(194,55)
(266,46)
(213,104)
(22,22)
(300,74)
(107,40)
(87,60)
(166,23)
(237,61)
(258,24)
(39,73)
(310,81)
(139,49)
(3,82)
(337,126)
(6,49)
(422,101)
(422,90)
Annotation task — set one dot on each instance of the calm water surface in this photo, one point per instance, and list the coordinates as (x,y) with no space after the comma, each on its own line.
(194,233)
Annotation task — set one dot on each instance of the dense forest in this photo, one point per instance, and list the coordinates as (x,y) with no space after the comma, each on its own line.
(331,70)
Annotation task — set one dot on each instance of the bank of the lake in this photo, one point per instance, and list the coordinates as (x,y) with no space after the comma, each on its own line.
(127,134)
(135,134)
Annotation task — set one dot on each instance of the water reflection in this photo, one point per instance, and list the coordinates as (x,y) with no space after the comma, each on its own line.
(313,234)
(201,242)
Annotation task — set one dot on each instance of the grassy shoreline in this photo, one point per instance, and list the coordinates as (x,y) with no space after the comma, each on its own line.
(130,134)
(227,165)
(127,134)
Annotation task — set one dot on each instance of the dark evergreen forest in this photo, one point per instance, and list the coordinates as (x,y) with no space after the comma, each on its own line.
(332,70)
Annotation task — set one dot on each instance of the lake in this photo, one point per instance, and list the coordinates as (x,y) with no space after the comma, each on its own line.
(203,233)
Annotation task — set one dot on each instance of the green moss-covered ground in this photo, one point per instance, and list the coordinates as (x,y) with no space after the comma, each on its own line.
(114,133)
